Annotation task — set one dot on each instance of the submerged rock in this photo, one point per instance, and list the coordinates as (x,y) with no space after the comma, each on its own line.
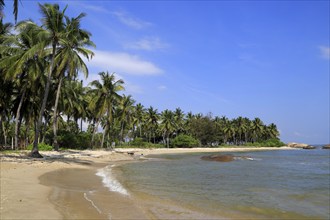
(219,157)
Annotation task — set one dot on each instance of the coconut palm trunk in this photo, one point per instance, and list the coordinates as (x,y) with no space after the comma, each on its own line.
(4,133)
(18,117)
(35,150)
(103,137)
(94,132)
(55,113)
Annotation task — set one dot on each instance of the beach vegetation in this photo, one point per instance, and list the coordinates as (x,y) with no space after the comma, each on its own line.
(183,140)
(42,101)
(41,147)
(140,143)
(274,142)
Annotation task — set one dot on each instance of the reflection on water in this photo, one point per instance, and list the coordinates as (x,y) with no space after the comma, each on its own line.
(276,184)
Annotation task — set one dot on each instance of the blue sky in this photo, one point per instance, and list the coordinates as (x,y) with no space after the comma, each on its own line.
(267,59)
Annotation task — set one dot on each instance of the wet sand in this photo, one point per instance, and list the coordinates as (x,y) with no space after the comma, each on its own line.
(80,194)
(62,185)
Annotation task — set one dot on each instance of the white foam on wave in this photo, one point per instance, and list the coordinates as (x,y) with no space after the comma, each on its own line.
(110,181)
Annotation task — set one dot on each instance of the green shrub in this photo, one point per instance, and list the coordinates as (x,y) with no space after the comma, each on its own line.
(183,140)
(41,147)
(269,143)
(74,141)
(138,142)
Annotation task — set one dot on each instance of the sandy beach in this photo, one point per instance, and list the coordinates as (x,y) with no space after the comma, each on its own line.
(62,184)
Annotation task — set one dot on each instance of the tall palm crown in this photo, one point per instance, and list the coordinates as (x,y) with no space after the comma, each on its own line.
(126,109)
(151,119)
(167,124)
(106,97)
(56,25)
(138,117)
(257,127)
(179,120)
(72,44)
(106,93)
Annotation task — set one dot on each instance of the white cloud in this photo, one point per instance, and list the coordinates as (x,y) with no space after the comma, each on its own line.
(123,63)
(91,7)
(325,52)
(149,43)
(161,87)
(130,21)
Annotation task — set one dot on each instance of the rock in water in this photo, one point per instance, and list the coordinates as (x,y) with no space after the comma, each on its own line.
(309,147)
(300,145)
(326,146)
(219,157)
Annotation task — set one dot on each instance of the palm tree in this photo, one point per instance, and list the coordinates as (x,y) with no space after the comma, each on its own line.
(179,120)
(151,121)
(138,117)
(189,118)
(54,31)
(21,63)
(229,132)
(5,85)
(241,128)
(257,127)
(73,100)
(167,125)
(6,89)
(125,113)
(271,131)
(106,97)
(15,10)
(68,58)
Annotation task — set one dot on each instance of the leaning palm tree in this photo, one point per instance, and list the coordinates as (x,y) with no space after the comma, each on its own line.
(68,59)
(106,97)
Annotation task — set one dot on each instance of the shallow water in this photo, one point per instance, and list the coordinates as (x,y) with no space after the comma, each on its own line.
(276,184)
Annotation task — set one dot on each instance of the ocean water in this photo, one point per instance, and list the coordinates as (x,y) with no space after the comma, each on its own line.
(280,184)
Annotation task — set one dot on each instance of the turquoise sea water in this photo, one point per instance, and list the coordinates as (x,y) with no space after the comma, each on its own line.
(292,184)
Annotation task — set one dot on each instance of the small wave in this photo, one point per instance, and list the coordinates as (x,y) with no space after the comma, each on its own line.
(109,180)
